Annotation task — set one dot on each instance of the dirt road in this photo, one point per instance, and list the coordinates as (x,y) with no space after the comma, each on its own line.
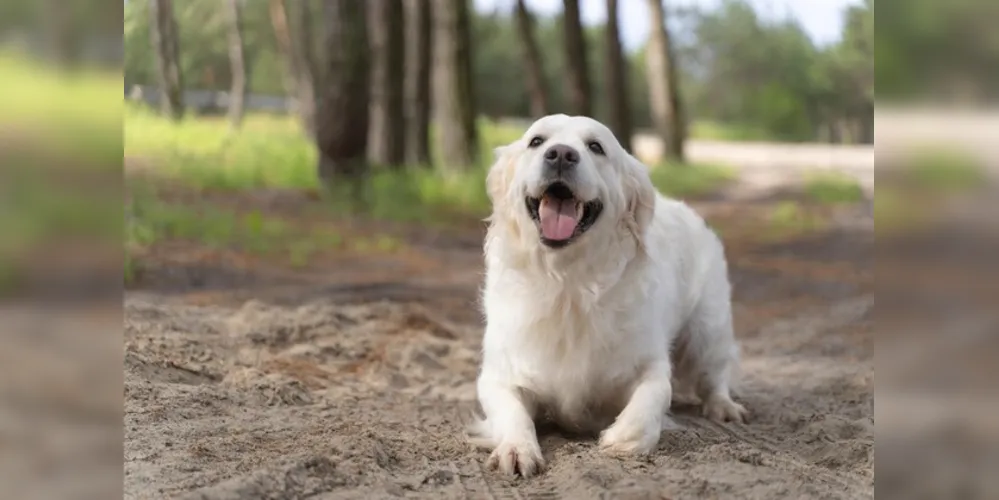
(351,380)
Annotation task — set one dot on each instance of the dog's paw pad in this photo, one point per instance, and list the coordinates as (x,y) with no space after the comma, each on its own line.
(517,458)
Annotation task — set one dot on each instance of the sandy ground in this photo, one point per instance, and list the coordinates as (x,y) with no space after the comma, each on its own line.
(352,381)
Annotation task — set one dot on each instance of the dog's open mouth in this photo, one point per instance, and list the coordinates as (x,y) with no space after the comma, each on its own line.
(560,216)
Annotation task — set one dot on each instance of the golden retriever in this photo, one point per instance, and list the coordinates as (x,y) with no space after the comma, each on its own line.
(600,296)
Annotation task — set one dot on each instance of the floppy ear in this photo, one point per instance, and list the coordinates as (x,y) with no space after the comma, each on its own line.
(640,196)
(500,175)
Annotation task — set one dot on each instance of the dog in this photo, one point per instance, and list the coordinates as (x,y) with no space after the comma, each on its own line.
(601,296)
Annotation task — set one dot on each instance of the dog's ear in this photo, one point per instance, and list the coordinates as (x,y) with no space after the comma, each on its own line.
(500,174)
(640,196)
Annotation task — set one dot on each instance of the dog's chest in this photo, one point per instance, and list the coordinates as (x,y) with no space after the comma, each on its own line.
(581,360)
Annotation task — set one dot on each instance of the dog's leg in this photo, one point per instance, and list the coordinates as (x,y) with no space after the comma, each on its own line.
(639,425)
(509,428)
(712,352)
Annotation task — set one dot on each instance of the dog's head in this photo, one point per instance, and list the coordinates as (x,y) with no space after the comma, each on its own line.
(567,181)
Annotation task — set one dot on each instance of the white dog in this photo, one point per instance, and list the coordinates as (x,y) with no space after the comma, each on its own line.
(600,295)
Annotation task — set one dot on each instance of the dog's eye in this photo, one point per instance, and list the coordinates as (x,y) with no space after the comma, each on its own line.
(595,147)
(537,141)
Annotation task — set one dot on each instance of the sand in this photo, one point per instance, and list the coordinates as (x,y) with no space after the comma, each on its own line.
(345,396)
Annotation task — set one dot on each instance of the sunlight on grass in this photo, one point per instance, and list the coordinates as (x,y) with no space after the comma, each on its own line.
(268,152)
(833,188)
(271,152)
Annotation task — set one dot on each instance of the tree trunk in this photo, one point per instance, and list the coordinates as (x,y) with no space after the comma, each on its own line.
(386,133)
(417,81)
(617,80)
(866,123)
(664,92)
(289,73)
(163,32)
(575,58)
(300,14)
(342,118)
(237,63)
(454,105)
(532,62)
(61,34)
(294,40)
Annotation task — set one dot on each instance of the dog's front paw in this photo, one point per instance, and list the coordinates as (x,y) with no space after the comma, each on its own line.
(723,409)
(513,457)
(631,437)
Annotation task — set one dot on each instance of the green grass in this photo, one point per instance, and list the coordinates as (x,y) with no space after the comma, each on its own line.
(271,152)
(268,152)
(945,170)
(690,180)
(833,188)
(149,219)
(59,162)
(927,177)
(203,154)
(789,218)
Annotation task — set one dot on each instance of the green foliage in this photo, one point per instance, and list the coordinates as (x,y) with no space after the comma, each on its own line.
(932,48)
(202,40)
(833,188)
(763,80)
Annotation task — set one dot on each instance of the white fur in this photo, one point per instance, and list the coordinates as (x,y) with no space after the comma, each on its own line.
(583,334)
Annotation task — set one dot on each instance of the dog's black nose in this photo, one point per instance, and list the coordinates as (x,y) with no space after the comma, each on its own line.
(561,156)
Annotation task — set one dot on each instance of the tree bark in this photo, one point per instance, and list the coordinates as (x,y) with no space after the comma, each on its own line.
(575,52)
(417,81)
(532,61)
(664,92)
(454,105)
(163,32)
(342,118)
(294,40)
(386,133)
(237,63)
(617,80)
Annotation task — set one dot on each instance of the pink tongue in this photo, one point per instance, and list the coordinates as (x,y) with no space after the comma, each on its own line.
(558,218)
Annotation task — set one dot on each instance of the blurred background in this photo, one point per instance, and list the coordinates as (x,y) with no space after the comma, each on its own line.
(290,161)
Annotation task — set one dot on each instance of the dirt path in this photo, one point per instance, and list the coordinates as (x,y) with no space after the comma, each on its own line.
(351,381)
